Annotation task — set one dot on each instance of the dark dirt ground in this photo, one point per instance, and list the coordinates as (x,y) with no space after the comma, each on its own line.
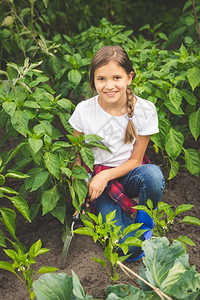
(183,189)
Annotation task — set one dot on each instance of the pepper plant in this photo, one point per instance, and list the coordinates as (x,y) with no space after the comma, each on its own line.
(8,215)
(31,113)
(22,262)
(110,236)
(165,219)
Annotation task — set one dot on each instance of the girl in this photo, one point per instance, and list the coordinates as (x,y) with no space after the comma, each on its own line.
(125,122)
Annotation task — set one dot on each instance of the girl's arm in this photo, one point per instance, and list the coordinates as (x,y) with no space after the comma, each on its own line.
(98,183)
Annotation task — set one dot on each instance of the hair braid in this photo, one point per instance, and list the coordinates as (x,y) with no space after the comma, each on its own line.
(130,133)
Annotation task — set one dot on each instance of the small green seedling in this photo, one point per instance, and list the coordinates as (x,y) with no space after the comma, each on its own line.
(22,263)
(109,235)
(164,219)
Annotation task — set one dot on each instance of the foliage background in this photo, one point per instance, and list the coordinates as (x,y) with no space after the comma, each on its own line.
(45,51)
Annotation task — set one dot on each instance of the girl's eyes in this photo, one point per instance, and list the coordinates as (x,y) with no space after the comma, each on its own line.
(116,78)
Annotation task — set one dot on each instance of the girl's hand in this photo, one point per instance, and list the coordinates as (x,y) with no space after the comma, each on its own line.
(97,185)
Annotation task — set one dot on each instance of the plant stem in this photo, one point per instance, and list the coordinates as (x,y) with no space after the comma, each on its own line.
(157,290)
(196,19)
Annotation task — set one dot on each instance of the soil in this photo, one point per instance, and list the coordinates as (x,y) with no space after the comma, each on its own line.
(184,188)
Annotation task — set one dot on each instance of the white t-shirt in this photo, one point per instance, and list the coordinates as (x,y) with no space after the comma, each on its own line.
(90,118)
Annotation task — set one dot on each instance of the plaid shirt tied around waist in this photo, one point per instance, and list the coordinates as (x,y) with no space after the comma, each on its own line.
(116,191)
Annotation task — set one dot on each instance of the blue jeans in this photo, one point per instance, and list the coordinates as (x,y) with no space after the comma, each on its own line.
(145,182)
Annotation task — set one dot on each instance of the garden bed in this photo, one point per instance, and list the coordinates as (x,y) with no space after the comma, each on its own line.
(183,189)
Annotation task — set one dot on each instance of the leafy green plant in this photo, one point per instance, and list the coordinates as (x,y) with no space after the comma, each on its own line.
(167,78)
(170,81)
(167,269)
(31,113)
(8,215)
(165,219)
(60,286)
(110,236)
(166,275)
(22,262)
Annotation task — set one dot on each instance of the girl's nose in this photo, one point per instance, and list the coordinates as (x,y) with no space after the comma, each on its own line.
(109,84)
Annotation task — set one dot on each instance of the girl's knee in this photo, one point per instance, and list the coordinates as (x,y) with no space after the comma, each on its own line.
(155,176)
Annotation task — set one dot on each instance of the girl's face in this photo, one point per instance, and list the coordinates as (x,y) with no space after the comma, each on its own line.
(111,81)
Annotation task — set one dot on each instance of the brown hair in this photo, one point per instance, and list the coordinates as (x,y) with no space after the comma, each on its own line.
(119,55)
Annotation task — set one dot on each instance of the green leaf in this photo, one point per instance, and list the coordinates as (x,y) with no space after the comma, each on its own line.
(159,138)
(174,169)
(173,143)
(53,286)
(78,291)
(32,174)
(46,269)
(60,145)
(7,266)
(49,200)
(192,161)
(81,189)
(133,241)
(110,216)
(19,121)
(7,190)
(59,211)
(18,175)
(189,97)
(175,97)
(12,254)
(21,205)
(149,204)
(191,220)
(85,231)
(93,137)
(74,77)
(39,180)
(67,172)
(182,283)
(100,261)
(193,76)
(173,109)
(96,144)
(142,207)
(9,107)
(183,208)
(163,36)
(35,144)
(126,292)
(52,163)
(131,228)
(186,240)
(79,172)
(31,104)
(47,126)
(194,124)
(2,240)
(39,129)
(2,179)
(88,157)
(9,216)
(160,258)
(65,103)
(36,249)
(93,217)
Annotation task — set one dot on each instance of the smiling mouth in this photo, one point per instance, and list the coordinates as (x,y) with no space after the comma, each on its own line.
(110,93)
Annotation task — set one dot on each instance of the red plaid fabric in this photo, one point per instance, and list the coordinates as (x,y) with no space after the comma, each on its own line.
(116,191)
